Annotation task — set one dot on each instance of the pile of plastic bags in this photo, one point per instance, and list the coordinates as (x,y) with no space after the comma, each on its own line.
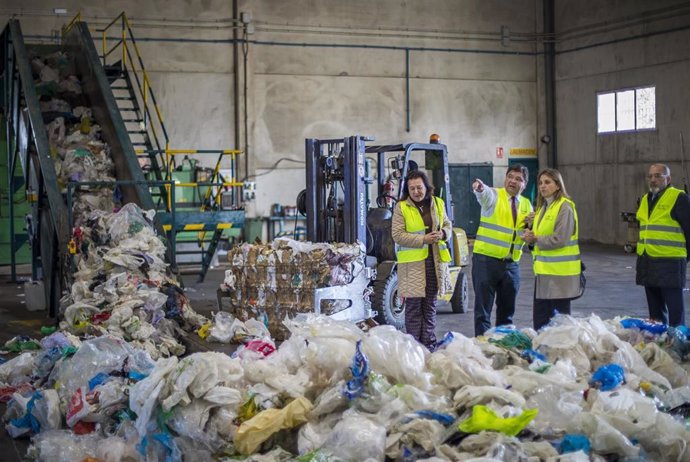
(577,390)
(121,283)
(79,153)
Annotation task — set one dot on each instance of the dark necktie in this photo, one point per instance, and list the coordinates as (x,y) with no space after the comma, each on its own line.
(513,207)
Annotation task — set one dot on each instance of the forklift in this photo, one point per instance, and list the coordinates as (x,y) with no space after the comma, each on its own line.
(339,207)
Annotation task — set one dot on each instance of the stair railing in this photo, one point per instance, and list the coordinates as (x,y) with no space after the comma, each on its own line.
(133,64)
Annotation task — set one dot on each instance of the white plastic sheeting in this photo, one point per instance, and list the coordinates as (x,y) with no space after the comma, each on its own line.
(208,404)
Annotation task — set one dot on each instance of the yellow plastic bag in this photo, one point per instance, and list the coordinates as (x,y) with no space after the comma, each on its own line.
(248,409)
(259,428)
(485,418)
(205,330)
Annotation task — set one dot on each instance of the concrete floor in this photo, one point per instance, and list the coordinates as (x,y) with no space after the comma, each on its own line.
(611,291)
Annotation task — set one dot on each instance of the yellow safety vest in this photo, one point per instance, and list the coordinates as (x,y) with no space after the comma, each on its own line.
(661,235)
(564,261)
(497,233)
(414,223)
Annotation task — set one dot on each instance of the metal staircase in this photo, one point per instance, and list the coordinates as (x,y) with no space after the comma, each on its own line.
(145,142)
(137,103)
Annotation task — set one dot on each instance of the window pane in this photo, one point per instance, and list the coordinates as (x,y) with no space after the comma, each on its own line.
(625,110)
(646,107)
(606,112)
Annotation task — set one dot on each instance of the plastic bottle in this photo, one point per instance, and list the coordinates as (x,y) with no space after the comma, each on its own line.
(85,127)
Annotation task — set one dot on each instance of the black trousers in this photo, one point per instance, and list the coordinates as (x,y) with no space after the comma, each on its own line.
(666,305)
(546,308)
(493,279)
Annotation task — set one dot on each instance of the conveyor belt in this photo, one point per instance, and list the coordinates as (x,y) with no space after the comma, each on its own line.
(28,145)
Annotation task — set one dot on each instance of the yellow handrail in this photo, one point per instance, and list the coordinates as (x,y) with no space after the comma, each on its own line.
(147,90)
(225,184)
(148,99)
(179,152)
(71,24)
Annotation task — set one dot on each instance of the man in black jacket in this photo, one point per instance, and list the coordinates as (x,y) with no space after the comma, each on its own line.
(663,247)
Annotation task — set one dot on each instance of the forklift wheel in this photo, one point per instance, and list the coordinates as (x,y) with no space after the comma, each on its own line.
(390,307)
(459,300)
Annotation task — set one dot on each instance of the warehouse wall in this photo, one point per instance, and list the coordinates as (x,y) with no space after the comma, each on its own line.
(477,100)
(625,44)
(347,76)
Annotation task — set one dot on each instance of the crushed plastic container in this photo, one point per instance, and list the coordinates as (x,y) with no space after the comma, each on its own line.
(34,296)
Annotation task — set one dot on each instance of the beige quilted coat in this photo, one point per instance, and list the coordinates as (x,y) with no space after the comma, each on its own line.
(411,276)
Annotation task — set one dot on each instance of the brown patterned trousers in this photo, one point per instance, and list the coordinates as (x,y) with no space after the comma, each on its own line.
(420,312)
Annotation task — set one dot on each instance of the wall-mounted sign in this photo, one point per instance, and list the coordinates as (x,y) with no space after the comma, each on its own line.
(526,152)
(499,152)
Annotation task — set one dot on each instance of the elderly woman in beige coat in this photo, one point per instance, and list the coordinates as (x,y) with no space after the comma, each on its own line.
(421,229)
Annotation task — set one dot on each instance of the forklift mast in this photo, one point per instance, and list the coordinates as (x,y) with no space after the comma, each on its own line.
(336,197)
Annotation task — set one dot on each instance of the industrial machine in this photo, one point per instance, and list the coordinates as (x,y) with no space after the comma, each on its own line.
(339,205)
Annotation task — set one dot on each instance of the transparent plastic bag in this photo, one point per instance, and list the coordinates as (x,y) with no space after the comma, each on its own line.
(469,395)
(49,75)
(310,326)
(128,221)
(18,370)
(329,401)
(71,85)
(223,422)
(102,354)
(417,399)
(193,377)
(221,331)
(191,420)
(329,358)
(605,438)
(527,383)
(661,362)
(115,449)
(314,433)
(382,343)
(556,408)
(357,438)
(637,418)
(630,359)
(143,395)
(416,432)
(462,362)
(64,446)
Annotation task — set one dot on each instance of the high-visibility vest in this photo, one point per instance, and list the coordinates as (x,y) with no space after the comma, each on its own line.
(661,235)
(414,223)
(497,233)
(564,261)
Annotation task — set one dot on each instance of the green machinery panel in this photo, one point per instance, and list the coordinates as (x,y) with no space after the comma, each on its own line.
(21,209)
